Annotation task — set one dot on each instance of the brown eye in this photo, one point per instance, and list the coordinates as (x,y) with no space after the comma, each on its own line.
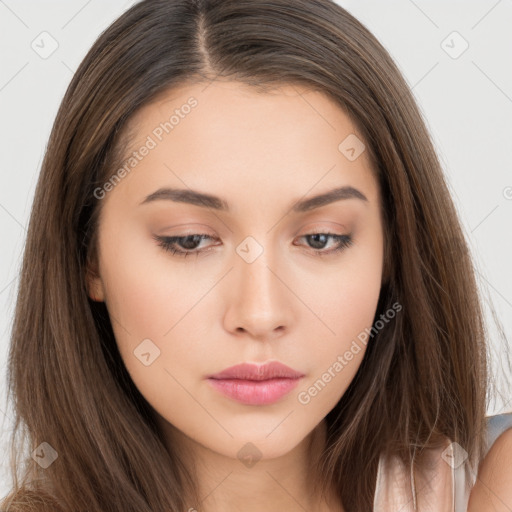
(182,245)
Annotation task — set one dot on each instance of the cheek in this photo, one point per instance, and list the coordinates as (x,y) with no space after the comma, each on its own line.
(158,321)
(146,289)
(345,299)
(345,303)
(149,298)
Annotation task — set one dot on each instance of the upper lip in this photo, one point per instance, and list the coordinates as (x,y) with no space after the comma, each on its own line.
(251,371)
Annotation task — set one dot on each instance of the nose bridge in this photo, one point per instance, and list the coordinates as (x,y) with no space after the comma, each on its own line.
(255,259)
(260,301)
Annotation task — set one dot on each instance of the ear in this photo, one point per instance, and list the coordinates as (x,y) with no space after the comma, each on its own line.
(93,281)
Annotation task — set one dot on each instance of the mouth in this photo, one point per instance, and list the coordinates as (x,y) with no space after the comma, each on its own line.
(252,392)
(253,384)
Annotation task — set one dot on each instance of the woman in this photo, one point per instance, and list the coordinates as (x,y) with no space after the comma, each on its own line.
(245,284)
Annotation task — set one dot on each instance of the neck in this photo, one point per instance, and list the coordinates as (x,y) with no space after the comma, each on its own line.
(270,484)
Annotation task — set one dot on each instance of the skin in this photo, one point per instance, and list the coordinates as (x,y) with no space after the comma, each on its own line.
(260,152)
(493,488)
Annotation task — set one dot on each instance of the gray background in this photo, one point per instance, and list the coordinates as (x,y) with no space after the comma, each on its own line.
(466,98)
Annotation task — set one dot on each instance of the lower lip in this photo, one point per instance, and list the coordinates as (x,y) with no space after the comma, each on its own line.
(253,392)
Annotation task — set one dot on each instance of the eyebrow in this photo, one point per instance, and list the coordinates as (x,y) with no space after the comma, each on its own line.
(209,201)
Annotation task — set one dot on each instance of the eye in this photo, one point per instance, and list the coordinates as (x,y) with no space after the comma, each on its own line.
(320,240)
(188,244)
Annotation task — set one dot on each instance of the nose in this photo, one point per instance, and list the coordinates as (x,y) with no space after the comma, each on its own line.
(261,304)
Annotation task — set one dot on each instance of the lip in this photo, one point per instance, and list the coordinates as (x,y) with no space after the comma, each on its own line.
(254,384)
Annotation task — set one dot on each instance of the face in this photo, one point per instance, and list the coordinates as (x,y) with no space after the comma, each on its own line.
(262,271)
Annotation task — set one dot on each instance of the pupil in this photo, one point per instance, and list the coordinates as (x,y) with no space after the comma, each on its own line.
(190,241)
(316,238)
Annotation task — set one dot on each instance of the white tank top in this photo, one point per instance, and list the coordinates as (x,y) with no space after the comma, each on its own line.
(444,487)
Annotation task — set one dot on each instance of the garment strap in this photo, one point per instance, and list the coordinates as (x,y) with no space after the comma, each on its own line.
(444,485)
(432,490)
(496,425)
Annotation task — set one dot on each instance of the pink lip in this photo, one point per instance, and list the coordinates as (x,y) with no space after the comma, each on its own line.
(256,384)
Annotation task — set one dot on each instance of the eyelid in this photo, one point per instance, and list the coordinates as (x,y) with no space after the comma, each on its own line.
(324,227)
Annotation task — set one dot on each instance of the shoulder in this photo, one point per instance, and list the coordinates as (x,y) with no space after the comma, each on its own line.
(492,491)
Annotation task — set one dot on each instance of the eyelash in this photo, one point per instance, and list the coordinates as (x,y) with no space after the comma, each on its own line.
(168,243)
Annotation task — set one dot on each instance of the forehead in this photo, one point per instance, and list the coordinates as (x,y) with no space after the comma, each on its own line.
(226,105)
(222,132)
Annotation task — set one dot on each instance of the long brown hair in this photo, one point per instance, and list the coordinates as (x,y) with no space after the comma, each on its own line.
(423,377)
